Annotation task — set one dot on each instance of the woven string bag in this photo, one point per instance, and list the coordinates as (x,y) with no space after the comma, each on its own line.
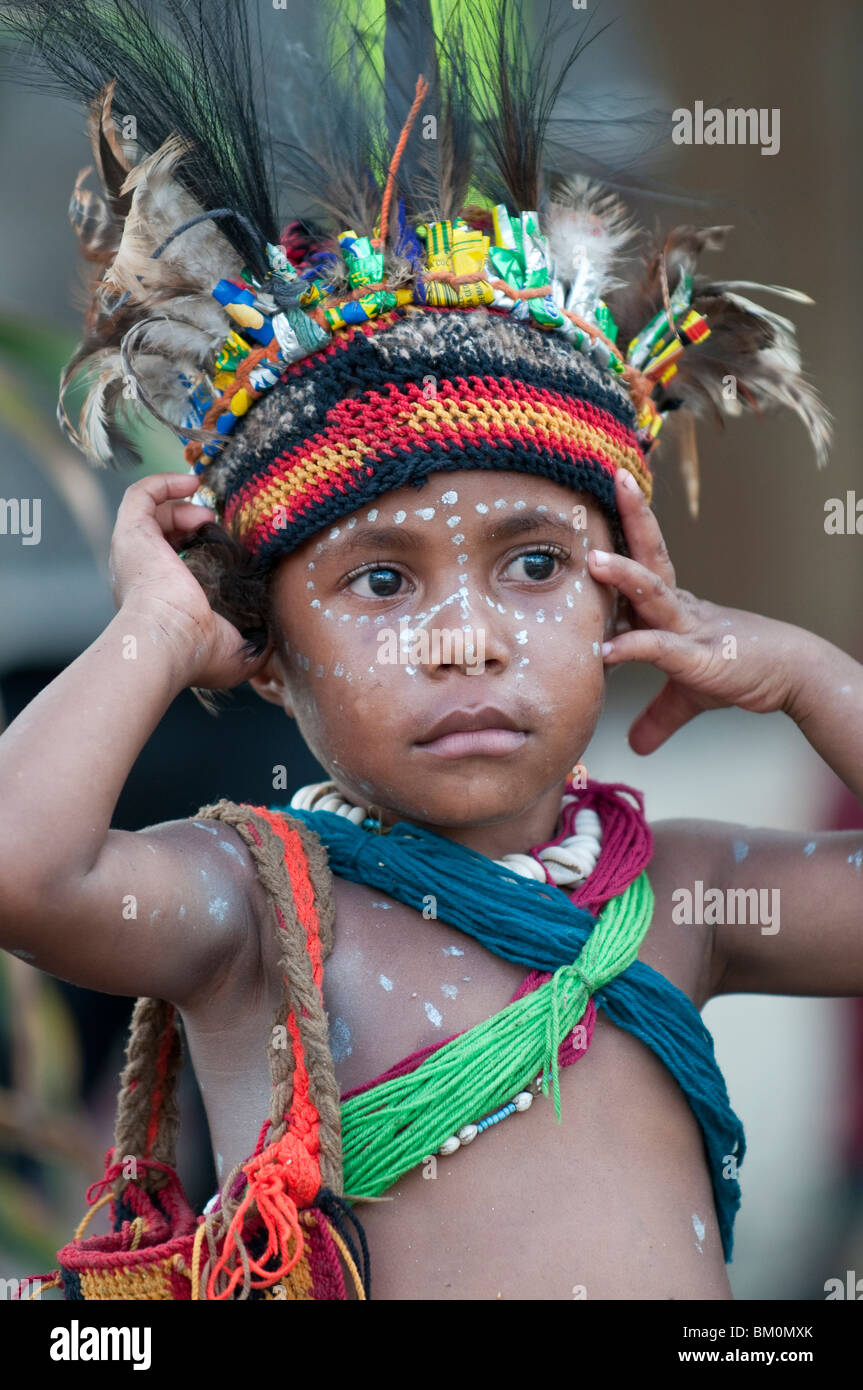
(280,1228)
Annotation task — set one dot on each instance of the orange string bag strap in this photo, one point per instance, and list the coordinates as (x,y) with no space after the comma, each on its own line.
(292,1185)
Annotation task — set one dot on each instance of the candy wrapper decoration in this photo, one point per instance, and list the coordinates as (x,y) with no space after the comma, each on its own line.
(454,250)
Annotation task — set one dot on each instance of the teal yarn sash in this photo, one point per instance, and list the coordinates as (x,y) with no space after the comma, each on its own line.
(536,925)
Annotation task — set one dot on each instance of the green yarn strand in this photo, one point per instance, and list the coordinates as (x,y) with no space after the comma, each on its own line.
(393,1127)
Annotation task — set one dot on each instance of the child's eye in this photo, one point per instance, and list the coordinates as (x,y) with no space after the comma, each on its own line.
(383,582)
(538,564)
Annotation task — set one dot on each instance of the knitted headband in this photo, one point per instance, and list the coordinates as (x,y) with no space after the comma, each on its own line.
(414,393)
(456,302)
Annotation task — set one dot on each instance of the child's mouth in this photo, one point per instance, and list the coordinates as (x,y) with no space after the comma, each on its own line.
(464,733)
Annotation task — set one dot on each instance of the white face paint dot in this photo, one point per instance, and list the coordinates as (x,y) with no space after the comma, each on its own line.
(310,583)
(399,518)
(462,559)
(500,502)
(481,508)
(596,649)
(372,515)
(521,637)
(525,661)
(315,603)
(328,612)
(335,532)
(570,601)
(577,585)
(517,506)
(450,498)
(310,565)
(352,523)
(540,615)
(384,982)
(449,990)
(542,509)
(453,520)
(457,539)
(432,1014)
(425,513)
(452,951)
(517,614)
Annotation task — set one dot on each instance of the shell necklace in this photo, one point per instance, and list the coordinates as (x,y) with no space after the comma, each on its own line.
(566,864)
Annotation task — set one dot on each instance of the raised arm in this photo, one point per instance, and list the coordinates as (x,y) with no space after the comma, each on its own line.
(816,879)
(160,911)
(715,657)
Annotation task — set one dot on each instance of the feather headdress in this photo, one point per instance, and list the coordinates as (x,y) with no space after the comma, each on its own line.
(270,184)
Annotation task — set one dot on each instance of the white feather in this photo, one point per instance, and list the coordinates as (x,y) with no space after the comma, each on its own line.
(587,228)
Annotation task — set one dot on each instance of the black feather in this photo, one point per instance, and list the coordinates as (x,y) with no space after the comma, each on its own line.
(188,66)
(517,76)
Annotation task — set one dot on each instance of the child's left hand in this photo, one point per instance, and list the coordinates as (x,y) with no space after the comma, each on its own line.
(689,638)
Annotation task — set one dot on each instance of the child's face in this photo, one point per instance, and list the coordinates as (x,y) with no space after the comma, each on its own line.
(472,591)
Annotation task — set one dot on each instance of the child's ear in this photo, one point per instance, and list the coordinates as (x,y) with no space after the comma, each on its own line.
(269,681)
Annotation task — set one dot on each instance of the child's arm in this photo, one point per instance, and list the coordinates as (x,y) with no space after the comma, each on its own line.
(815,946)
(809,885)
(161,911)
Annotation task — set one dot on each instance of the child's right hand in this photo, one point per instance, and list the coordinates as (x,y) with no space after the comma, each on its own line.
(148,576)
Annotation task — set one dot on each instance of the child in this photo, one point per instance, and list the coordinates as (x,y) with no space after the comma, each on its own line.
(422,452)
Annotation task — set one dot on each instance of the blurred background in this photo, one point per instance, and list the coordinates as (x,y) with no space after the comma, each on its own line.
(794,1066)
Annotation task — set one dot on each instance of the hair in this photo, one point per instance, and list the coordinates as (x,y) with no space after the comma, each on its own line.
(237,588)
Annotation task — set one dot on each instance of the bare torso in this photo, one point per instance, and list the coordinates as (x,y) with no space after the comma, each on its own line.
(614,1202)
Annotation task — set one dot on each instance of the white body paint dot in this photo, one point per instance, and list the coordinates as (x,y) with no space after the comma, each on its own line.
(384,982)
(698,1228)
(340,1040)
(450,498)
(432,1014)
